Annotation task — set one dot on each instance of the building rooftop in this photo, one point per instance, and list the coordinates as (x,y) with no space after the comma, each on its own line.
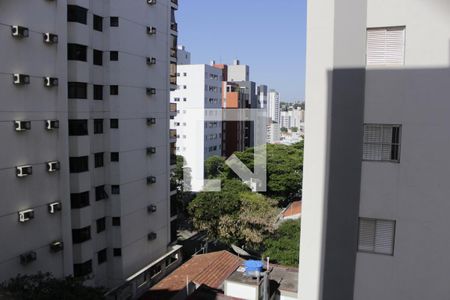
(294,209)
(209,269)
(206,293)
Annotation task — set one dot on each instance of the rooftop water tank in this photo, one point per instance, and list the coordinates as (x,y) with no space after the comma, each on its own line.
(253,267)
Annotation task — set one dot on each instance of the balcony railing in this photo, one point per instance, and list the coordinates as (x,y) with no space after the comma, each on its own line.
(172,133)
(174,26)
(173,79)
(173,52)
(175,2)
(173,107)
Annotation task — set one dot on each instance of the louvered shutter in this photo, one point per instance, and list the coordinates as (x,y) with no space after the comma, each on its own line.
(366,240)
(386,46)
(384,237)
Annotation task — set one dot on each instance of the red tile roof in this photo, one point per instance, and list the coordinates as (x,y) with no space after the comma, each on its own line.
(209,269)
(295,208)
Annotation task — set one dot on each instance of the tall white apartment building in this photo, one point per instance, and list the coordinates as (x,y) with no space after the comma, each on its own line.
(375,215)
(84,164)
(199,88)
(273,106)
(262,94)
(292,118)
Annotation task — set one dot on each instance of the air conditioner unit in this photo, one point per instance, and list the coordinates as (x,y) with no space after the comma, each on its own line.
(56,246)
(21,79)
(23,171)
(151,30)
(151,60)
(152,236)
(22,125)
(151,91)
(51,124)
(53,166)
(151,121)
(151,2)
(151,179)
(54,207)
(19,31)
(28,257)
(26,215)
(151,150)
(50,81)
(151,208)
(50,38)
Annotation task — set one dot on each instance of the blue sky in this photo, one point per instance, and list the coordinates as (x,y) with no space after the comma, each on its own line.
(268,35)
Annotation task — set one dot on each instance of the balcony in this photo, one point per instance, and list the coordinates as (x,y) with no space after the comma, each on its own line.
(173,185)
(173,109)
(173,52)
(174,2)
(173,134)
(173,79)
(174,26)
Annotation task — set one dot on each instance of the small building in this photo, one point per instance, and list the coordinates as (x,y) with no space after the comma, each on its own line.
(293,211)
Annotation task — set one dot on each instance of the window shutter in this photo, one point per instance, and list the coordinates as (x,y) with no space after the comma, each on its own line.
(386,46)
(384,237)
(366,235)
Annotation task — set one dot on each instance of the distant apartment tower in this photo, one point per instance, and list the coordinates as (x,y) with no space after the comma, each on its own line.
(292,118)
(375,190)
(199,89)
(273,106)
(238,72)
(85,114)
(183,56)
(262,93)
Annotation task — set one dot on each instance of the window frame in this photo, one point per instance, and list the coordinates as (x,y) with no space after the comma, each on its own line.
(383,144)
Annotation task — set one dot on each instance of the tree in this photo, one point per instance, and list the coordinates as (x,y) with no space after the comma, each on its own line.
(283,129)
(214,167)
(294,129)
(283,247)
(43,286)
(181,182)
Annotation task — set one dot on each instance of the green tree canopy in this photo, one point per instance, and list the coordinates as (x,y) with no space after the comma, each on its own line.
(283,129)
(294,129)
(283,246)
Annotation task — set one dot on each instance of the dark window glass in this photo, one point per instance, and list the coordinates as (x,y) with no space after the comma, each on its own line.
(84,269)
(116,221)
(98,126)
(115,156)
(98,23)
(114,90)
(77,14)
(79,200)
(98,92)
(115,189)
(78,127)
(79,164)
(114,123)
(81,235)
(98,159)
(98,57)
(102,256)
(101,224)
(114,21)
(100,193)
(76,52)
(114,55)
(117,252)
(77,90)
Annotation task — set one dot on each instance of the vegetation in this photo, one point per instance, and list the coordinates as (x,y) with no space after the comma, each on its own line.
(283,246)
(283,129)
(43,286)
(294,129)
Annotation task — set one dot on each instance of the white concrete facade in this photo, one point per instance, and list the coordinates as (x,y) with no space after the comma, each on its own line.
(112,66)
(273,107)
(411,192)
(199,88)
(238,72)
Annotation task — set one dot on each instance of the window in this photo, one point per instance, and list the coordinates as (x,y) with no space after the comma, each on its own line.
(116,221)
(381,142)
(79,200)
(100,193)
(376,236)
(76,52)
(114,55)
(386,46)
(98,57)
(98,92)
(81,235)
(114,21)
(102,256)
(98,160)
(84,269)
(76,14)
(77,90)
(115,189)
(98,126)
(114,123)
(79,164)
(98,23)
(114,90)
(78,127)
(101,224)
(117,252)
(114,156)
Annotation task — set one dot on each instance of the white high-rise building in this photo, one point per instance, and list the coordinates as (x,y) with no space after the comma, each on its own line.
(273,107)
(199,88)
(376,194)
(262,94)
(84,121)
(238,72)
(292,118)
